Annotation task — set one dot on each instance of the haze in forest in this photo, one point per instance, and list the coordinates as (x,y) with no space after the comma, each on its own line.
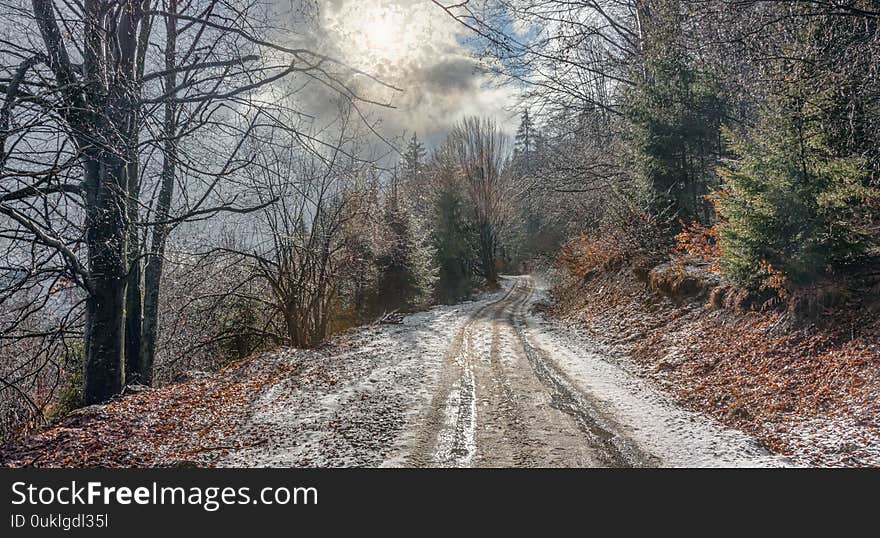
(188,184)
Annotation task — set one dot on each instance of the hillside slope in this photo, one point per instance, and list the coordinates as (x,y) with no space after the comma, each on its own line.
(810,391)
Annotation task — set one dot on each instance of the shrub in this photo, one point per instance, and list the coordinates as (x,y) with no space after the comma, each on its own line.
(407,273)
(699,242)
(69,396)
(585,254)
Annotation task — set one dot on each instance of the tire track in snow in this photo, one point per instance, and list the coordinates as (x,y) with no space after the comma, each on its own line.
(515,426)
(614,449)
(448,436)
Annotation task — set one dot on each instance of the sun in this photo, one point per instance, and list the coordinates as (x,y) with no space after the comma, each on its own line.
(376,34)
(380,28)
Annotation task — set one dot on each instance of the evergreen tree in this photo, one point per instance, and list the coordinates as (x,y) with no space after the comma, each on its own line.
(413,158)
(406,270)
(675,116)
(528,144)
(452,236)
(791,208)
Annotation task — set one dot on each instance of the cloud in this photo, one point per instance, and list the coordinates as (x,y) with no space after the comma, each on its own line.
(451,74)
(415,46)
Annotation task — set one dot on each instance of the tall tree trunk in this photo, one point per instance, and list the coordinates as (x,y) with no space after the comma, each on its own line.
(108,70)
(155,259)
(134,290)
(104,370)
(487,253)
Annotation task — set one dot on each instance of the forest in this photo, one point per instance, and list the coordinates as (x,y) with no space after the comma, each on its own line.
(184,183)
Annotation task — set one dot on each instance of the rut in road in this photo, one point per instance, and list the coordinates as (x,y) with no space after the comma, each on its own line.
(447,439)
(502,402)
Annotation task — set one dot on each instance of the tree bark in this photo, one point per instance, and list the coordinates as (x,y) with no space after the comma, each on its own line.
(134,289)
(487,253)
(104,370)
(104,135)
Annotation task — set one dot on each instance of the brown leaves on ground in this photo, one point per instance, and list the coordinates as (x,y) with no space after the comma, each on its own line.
(191,423)
(812,392)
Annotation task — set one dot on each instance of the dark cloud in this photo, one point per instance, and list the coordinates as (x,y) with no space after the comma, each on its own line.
(451,74)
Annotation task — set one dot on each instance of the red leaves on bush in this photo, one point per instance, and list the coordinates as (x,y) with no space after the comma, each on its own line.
(583,255)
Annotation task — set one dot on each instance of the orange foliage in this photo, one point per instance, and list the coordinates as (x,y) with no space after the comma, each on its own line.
(585,254)
(774,280)
(700,242)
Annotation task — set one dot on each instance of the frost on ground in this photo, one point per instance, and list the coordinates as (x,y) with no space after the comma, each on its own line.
(361,412)
(373,405)
(484,383)
(677,437)
(346,403)
(811,392)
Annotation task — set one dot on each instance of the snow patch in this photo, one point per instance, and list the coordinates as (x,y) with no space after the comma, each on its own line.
(677,437)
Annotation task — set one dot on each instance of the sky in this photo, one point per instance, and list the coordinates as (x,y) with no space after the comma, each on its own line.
(416,47)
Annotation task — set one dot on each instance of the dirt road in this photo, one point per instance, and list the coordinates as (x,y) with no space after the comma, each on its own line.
(484,384)
(502,402)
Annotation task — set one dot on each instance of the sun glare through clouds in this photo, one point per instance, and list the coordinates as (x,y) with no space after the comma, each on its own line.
(379,36)
(414,46)
(381,26)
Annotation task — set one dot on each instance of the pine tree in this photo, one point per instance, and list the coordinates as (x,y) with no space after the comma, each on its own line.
(413,158)
(675,117)
(452,236)
(525,142)
(791,209)
(406,270)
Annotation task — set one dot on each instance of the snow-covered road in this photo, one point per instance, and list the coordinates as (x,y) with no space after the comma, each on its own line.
(486,383)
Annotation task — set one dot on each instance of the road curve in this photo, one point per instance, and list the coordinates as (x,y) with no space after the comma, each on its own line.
(502,402)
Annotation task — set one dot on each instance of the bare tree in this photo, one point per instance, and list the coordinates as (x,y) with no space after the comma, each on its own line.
(481,150)
(300,248)
(87,107)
